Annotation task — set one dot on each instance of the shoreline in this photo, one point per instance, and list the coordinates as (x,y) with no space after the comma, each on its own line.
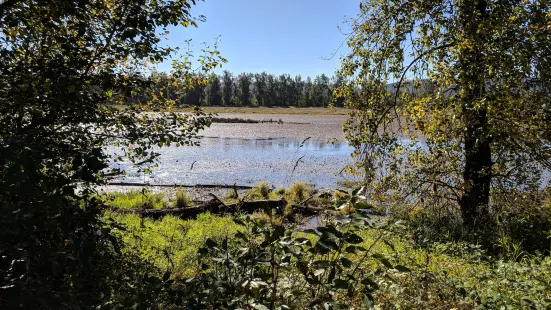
(264,110)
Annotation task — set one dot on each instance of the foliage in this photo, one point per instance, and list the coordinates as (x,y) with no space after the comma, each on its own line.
(519,224)
(171,243)
(267,268)
(63,64)
(260,90)
(433,274)
(450,99)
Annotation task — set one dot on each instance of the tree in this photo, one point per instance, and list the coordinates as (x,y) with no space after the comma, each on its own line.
(260,88)
(307,93)
(63,64)
(244,82)
(271,91)
(296,89)
(214,91)
(228,88)
(484,118)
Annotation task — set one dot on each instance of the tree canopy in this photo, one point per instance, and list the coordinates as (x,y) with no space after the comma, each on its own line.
(451,99)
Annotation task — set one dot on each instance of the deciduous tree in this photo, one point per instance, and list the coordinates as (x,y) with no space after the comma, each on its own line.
(474,114)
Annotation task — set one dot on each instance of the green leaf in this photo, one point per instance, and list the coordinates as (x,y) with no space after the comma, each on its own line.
(346,262)
(370,283)
(341,284)
(402,268)
(382,259)
(354,249)
(260,307)
(354,239)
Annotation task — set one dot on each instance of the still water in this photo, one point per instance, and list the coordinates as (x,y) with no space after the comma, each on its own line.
(245,154)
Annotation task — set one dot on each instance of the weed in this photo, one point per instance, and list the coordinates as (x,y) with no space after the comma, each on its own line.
(232,194)
(298,192)
(182,199)
(260,191)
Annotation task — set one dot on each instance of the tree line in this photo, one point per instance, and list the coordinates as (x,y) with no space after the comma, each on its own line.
(252,89)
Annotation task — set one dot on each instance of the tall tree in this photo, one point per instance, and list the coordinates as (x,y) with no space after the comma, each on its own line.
(63,63)
(260,88)
(228,88)
(484,117)
(214,91)
(308,93)
(271,91)
(244,83)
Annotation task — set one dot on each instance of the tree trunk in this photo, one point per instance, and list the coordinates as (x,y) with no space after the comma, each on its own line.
(478,155)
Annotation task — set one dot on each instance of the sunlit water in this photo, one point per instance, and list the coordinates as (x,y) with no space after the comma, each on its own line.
(245,154)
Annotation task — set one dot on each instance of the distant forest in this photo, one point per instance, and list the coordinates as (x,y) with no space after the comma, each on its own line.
(248,89)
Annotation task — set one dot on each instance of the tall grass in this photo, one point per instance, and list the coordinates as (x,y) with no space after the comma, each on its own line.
(298,192)
(136,200)
(170,243)
(182,199)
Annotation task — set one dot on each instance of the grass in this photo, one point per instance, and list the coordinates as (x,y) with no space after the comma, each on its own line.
(260,191)
(182,199)
(298,192)
(170,243)
(136,200)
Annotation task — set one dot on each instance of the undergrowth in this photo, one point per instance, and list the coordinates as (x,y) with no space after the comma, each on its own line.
(419,259)
(136,200)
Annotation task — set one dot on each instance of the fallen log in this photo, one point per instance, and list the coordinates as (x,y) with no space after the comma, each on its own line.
(217,207)
(214,207)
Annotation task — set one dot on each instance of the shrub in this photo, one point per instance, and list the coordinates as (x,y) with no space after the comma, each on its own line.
(171,243)
(278,194)
(266,267)
(519,223)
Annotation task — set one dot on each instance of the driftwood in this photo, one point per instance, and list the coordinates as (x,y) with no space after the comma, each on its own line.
(217,207)
(178,185)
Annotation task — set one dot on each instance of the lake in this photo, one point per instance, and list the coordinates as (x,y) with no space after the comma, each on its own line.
(299,149)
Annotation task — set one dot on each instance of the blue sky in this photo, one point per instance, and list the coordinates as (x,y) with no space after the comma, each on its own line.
(276,36)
